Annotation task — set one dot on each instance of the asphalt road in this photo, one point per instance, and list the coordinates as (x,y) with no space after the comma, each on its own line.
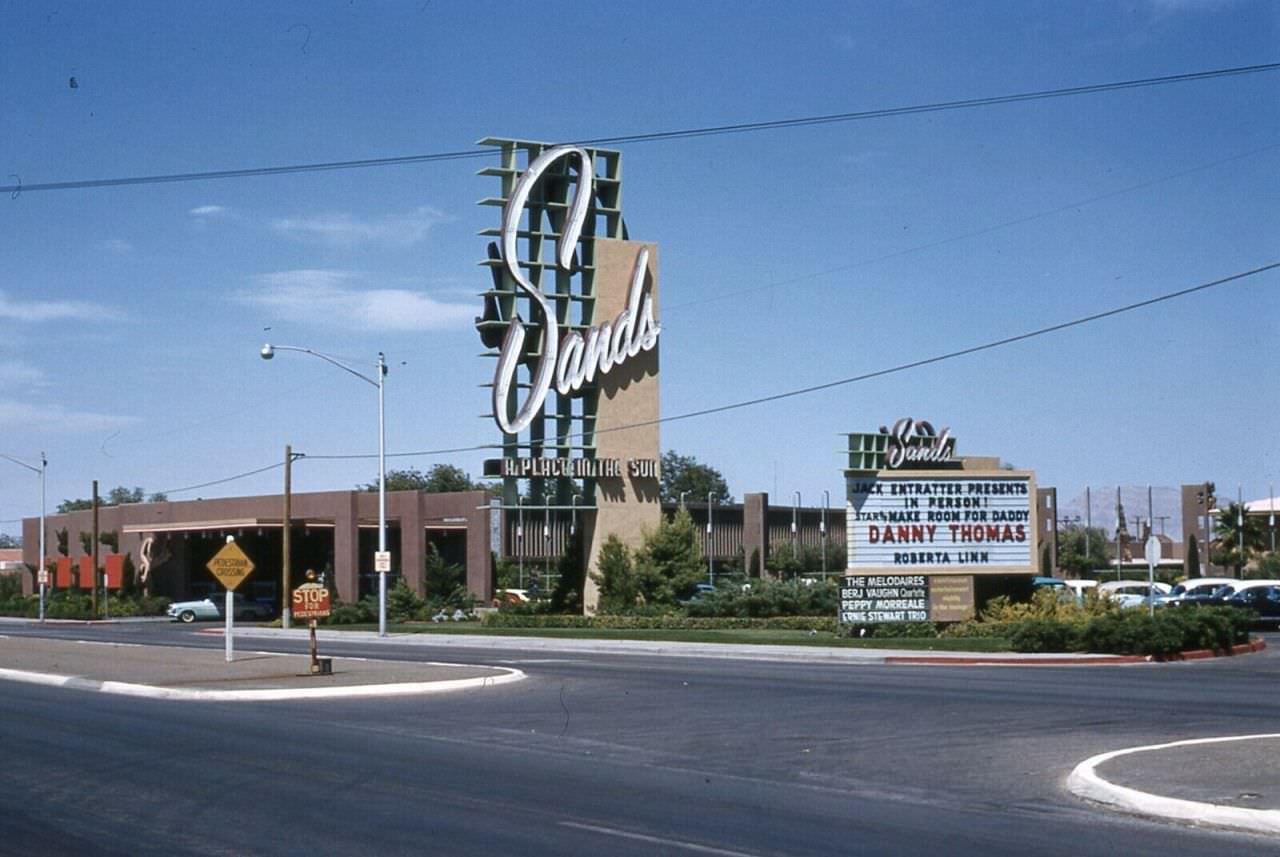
(616,755)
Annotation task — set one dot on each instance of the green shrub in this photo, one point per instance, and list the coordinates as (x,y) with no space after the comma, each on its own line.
(1045,635)
(362,612)
(665,622)
(890,630)
(766,598)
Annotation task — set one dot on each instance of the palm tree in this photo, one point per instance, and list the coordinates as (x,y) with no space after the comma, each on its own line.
(1231,523)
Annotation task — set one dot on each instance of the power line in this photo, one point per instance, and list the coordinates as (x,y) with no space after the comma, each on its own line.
(801,391)
(977,233)
(879,373)
(658,136)
(224,480)
(950,355)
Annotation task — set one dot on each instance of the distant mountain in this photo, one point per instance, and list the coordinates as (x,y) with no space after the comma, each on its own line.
(1166,509)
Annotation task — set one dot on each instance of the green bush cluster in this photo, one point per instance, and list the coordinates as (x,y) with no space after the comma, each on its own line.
(403,605)
(891,630)
(766,598)
(1120,632)
(362,612)
(73,604)
(664,622)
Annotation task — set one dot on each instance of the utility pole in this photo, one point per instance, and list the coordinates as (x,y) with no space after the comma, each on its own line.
(286,524)
(93,599)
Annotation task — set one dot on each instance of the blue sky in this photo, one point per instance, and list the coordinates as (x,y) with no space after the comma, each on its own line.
(133,316)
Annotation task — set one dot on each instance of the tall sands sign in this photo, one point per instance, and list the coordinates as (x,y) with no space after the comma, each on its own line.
(572,320)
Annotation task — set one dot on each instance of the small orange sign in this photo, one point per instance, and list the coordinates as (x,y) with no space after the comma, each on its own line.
(230,566)
(310,601)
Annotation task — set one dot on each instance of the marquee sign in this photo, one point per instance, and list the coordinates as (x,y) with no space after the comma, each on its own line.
(943,523)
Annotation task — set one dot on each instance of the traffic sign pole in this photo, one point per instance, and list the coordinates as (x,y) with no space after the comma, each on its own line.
(230,611)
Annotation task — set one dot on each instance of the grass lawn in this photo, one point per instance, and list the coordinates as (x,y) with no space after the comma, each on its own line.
(734,635)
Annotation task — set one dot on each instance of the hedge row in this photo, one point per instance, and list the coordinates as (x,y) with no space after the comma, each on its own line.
(79,606)
(665,623)
(1127,632)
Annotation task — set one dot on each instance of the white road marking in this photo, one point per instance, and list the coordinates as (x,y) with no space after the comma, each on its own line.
(656,840)
(1085,782)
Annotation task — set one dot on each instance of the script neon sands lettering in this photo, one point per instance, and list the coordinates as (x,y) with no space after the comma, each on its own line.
(576,359)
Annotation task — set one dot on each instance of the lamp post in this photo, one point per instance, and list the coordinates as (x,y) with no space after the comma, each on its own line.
(682,496)
(711,569)
(269,351)
(795,529)
(822,528)
(39,471)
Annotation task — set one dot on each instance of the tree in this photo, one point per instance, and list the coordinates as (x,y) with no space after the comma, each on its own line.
(1225,549)
(615,575)
(1071,550)
(1191,565)
(669,562)
(441,579)
(567,597)
(8,541)
(684,473)
(117,496)
(440,479)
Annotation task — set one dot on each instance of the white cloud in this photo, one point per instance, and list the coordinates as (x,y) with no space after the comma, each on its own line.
(16,374)
(208,211)
(58,418)
(115,245)
(327,298)
(35,311)
(344,229)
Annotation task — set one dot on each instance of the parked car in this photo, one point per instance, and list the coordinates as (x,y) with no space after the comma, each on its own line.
(1194,587)
(700,591)
(1223,594)
(212,608)
(1136,587)
(1262,600)
(510,596)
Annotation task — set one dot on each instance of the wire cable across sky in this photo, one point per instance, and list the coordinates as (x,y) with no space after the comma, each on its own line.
(16,190)
(814,388)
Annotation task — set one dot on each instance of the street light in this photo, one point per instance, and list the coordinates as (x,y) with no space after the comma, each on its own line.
(269,351)
(711,569)
(795,530)
(822,526)
(44,466)
(520,537)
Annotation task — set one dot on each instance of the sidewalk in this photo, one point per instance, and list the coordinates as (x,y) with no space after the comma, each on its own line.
(739,651)
(180,673)
(1231,782)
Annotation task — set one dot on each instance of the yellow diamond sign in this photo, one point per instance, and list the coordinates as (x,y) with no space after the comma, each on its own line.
(230,566)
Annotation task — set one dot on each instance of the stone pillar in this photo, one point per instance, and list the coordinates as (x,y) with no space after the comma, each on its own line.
(479,576)
(1047,509)
(755,530)
(346,545)
(413,538)
(625,506)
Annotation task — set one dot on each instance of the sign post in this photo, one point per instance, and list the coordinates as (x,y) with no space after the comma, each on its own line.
(311,602)
(230,566)
(42,576)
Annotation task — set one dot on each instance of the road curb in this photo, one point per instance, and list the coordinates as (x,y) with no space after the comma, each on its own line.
(1084,782)
(265,694)
(1250,647)
(1085,661)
